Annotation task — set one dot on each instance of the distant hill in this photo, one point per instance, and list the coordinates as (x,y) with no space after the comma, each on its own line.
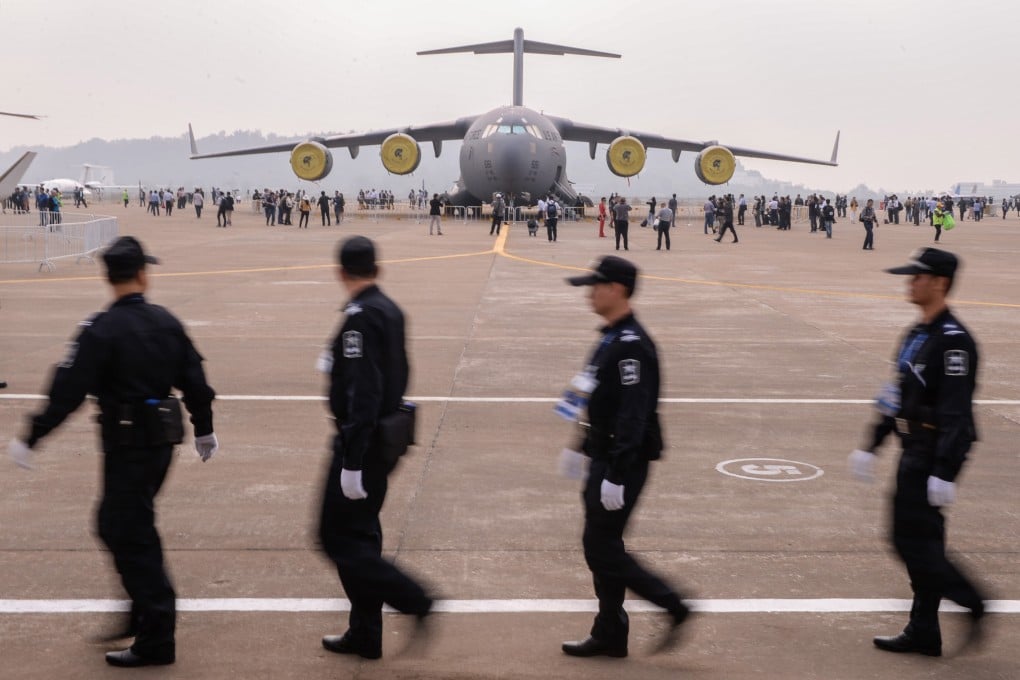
(163,162)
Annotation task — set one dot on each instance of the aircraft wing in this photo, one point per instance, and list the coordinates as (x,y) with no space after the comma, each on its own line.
(435,133)
(21,115)
(592,134)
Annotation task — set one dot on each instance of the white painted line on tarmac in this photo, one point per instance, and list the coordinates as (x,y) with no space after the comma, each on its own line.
(550,400)
(299,604)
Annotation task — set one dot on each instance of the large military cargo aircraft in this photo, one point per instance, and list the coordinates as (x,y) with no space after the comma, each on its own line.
(513,150)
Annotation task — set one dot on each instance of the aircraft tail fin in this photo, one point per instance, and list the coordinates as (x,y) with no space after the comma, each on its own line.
(9,180)
(519,46)
(191,138)
(835,149)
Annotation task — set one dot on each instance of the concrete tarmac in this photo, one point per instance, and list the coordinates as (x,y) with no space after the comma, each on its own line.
(771,349)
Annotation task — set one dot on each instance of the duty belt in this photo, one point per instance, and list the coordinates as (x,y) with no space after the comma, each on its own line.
(907,427)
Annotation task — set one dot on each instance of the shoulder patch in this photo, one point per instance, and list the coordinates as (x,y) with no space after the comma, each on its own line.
(352,343)
(630,372)
(957,362)
(629,336)
(72,354)
(950,328)
(90,320)
(352,308)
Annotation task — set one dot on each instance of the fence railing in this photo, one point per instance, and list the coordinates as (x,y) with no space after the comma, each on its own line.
(65,235)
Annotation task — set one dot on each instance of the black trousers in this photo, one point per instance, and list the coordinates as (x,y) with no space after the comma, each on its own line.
(869,238)
(126,524)
(727,225)
(622,226)
(663,234)
(351,537)
(497,220)
(550,227)
(613,569)
(919,537)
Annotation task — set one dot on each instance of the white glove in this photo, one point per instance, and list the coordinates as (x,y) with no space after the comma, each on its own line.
(20,454)
(572,464)
(350,484)
(207,445)
(862,465)
(324,364)
(612,495)
(940,492)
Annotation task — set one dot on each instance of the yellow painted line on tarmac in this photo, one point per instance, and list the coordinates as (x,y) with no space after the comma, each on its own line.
(252,270)
(501,250)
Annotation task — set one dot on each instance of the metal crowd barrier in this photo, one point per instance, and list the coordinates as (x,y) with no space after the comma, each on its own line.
(64,235)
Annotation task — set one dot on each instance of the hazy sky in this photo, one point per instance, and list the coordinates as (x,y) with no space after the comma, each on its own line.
(925,92)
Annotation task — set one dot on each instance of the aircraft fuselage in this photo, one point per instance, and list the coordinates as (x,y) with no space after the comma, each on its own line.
(515,151)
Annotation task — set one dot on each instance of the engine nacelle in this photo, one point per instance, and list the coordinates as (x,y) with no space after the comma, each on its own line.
(311,161)
(400,154)
(625,156)
(715,165)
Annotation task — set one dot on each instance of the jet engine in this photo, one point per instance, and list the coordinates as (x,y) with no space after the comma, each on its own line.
(311,161)
(625,156)
(400,154)
(715,165)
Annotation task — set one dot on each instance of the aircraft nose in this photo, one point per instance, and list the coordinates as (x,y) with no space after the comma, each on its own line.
(509,160)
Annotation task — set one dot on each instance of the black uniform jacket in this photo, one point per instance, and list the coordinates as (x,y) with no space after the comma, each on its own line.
(369,373)
(937,367)
(133,352)
(622,408)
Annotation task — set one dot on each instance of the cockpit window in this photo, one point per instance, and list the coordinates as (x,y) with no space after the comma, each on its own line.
(512,129)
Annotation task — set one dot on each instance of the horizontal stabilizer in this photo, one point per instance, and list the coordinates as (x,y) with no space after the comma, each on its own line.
(480,48)
(530,47)
(533,47)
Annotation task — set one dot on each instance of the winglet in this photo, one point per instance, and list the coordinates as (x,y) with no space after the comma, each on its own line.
(194,147)
(835,149)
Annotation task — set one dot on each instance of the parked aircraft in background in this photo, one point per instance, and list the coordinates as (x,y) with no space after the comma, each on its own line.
(513,150)
(99,179)
(65,186)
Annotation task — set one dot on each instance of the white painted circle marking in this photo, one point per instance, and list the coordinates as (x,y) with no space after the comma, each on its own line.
(770,469)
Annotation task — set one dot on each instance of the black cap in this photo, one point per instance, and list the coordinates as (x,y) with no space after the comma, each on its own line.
(929,261)
(125,257)
(357,256)
(610,269)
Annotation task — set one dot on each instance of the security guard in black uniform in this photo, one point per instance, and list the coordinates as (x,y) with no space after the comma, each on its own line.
(929,405)
(368,374)
(130,357)
(623,435)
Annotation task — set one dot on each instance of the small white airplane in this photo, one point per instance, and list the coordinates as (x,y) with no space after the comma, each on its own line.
(99,178)
(66,187)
